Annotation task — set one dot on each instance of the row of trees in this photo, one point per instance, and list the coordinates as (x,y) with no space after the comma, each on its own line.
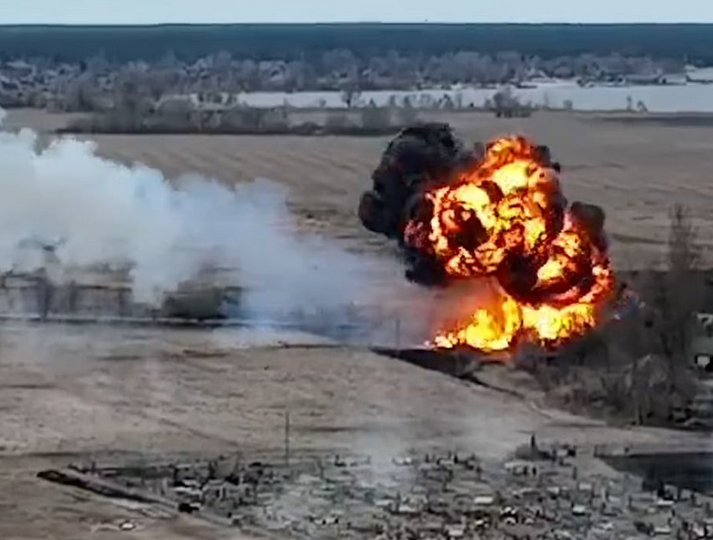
(79,85)
(336,69)
(298,42)
(179,116)
(639,367)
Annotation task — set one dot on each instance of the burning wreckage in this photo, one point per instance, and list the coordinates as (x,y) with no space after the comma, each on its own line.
(495,213)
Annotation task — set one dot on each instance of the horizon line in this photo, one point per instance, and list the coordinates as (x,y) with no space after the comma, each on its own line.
(356,23)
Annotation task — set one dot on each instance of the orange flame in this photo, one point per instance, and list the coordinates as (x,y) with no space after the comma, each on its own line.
(508,219)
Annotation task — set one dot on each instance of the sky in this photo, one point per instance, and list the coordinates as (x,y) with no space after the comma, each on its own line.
(234,11)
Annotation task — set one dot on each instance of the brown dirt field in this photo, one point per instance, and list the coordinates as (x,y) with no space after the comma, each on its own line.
(636,171)
(82,394)
(73,394)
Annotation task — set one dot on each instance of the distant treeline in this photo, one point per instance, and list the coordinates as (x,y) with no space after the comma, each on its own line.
(306,41)
(180,118)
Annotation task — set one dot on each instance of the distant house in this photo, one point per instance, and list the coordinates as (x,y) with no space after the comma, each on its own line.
(170,100)
(705,321)
(700,76)
(19,69)
(644,79)
(9,85)
(702,345)
(674,79)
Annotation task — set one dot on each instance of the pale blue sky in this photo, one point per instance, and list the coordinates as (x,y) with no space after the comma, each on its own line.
(225,11)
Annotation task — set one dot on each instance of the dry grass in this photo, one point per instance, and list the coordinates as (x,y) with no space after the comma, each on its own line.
(72,395)
(82,394)
(636,171)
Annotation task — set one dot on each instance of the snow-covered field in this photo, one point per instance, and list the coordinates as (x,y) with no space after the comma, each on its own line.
(683,98)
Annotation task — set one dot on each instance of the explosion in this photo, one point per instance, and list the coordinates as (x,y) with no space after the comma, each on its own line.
(503,217)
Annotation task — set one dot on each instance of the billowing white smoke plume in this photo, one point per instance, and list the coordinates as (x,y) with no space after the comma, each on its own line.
(95,211)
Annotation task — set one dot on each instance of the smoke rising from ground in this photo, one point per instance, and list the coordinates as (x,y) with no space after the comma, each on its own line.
(96,212)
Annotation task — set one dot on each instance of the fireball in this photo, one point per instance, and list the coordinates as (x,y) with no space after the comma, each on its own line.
(505,218)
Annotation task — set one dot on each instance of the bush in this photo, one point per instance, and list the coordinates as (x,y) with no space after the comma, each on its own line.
(638,367)
(375,118)
(336,122)
(407,116)
(178,117)
(505,104)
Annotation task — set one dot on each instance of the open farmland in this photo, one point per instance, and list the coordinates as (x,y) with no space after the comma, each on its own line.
(151,396)
(635,171)
(117,395)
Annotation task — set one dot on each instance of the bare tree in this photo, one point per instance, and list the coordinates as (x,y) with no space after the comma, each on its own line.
(336,122)
(175,114)
(643,368)
(375,118)
(506,103)
(406,116)
(245,119)
(678,295)
(80,93)
(683,249)
(350,94)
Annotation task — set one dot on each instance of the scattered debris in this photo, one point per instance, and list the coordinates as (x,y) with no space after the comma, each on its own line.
(432,496)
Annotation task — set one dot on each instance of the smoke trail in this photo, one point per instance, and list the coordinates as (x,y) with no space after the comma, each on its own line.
(97,212)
